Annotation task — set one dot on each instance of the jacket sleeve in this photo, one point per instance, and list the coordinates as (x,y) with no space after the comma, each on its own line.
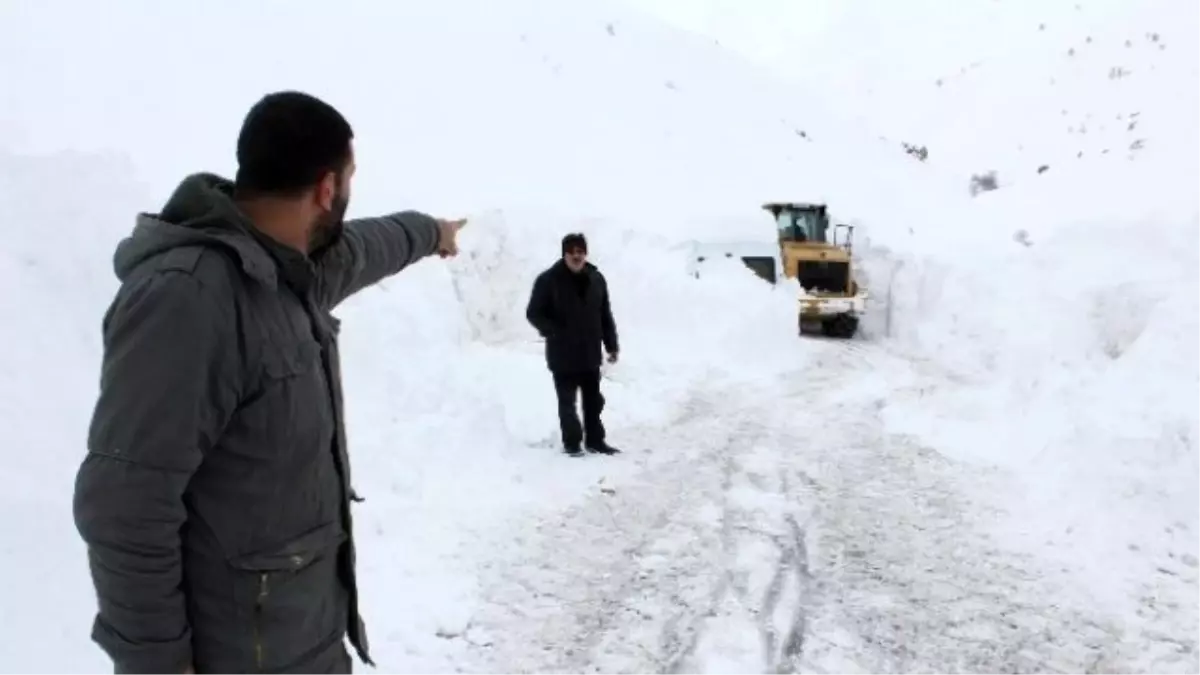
(540,311)
(372,249)
(608,325)
(167,388)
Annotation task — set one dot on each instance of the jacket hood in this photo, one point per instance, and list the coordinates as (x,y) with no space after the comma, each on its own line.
(200,211)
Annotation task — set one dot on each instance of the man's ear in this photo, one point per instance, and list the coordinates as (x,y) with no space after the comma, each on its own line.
(326,191)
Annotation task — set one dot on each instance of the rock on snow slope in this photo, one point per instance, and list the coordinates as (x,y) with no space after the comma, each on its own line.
(537,119)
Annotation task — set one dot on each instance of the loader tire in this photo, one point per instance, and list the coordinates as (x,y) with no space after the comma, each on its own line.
(841,326)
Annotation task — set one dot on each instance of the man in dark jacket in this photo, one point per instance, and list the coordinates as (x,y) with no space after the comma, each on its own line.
(215,495)
(570,308)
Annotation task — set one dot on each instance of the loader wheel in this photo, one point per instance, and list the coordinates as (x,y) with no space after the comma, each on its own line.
(840,326)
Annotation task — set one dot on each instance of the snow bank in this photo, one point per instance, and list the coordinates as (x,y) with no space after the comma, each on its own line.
(56,276)
(1071,366)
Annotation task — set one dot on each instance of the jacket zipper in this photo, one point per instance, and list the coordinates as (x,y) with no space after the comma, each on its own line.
(258,610)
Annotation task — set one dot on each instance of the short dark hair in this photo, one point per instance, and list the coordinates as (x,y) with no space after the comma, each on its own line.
(288,142)
(574,240)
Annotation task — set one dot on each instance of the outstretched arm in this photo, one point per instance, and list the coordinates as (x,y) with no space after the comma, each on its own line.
(540,311)
(169,383)
(372,249)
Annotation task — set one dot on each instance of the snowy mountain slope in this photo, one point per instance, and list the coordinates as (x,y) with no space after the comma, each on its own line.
(522,102)
(537,119)
(983,85)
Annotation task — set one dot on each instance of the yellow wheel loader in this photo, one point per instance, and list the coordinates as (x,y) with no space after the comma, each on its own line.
(811,253)
(806,250)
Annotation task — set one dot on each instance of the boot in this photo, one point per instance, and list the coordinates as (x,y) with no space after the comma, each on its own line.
(573,450)
(603,448)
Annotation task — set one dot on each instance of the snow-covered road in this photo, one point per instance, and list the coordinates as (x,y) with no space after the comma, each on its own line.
(792,537)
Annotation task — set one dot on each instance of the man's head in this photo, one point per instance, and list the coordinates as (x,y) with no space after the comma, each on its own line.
(296,149)
(574,251)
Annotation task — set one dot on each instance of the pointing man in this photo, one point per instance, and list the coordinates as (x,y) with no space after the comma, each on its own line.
(215,495)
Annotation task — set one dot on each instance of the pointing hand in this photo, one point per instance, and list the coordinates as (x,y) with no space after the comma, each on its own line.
(447,246)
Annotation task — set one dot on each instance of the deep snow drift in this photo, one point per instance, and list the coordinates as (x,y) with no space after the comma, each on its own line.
(536,120)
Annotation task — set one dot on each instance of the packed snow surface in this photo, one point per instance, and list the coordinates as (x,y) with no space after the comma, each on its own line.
(998,474)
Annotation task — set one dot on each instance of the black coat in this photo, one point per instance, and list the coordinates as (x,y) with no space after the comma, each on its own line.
(572,312)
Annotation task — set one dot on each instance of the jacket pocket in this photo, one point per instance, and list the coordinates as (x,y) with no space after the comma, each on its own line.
(299,602)
(556,348)
(289,410)
(290,360)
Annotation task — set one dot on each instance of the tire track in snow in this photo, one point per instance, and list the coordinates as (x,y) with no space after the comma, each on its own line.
(743,604)
(631,581)
(760,621)
(906,576)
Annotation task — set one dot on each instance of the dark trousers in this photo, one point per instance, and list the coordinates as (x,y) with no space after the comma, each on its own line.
(588,385)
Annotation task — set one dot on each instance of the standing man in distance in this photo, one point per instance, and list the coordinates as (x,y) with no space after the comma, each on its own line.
(570,308)
(215,495)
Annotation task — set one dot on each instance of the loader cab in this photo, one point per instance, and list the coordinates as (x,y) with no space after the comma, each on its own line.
(800,223)
(805,251)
